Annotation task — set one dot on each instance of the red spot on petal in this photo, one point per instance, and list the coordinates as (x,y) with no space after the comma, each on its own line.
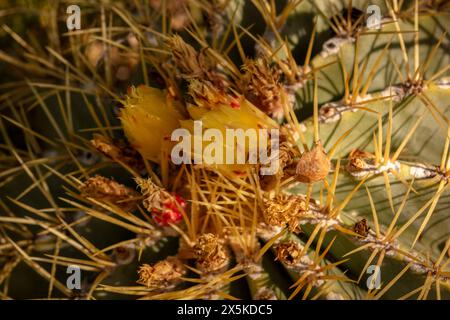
(235,104)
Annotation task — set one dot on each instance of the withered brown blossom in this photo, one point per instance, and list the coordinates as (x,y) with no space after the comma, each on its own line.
(359,161)
(284,210)
(193,64)
(210,253)
(154,196)
(288,252)
(286,166)
(261,86)
(118,151)
(361,228)
(163,274)
(104,189)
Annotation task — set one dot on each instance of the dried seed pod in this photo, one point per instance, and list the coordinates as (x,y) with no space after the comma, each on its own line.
(162,275)
(313,165)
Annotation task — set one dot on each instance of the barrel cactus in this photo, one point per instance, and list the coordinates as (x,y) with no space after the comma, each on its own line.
(357,207)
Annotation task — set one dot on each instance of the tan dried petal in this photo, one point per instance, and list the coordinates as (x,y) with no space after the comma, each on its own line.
(287,154)
(313,165)
(186,58)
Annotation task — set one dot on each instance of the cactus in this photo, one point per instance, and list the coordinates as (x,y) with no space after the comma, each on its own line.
(356,209)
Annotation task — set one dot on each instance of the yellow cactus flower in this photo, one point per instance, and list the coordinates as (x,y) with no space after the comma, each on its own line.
(214,109)
(148,119)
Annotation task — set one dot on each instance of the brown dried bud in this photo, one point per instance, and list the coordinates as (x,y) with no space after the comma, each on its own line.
(101,188)
(313,165)
(166,208)
(359,161)
(162,275)
(210,253)
(287,154)
(288,252)
(362,228)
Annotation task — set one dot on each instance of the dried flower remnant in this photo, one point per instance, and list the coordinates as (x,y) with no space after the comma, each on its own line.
(210,253)
(288,252)
(262,87)
(360,161)
(361,228)
(104,189)
(165,207)
(193,64)
(313,165)
(164,274)
(284,209)
(118,151)
(286,156)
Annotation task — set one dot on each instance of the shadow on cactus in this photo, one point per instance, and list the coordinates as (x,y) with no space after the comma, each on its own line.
(356,208)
